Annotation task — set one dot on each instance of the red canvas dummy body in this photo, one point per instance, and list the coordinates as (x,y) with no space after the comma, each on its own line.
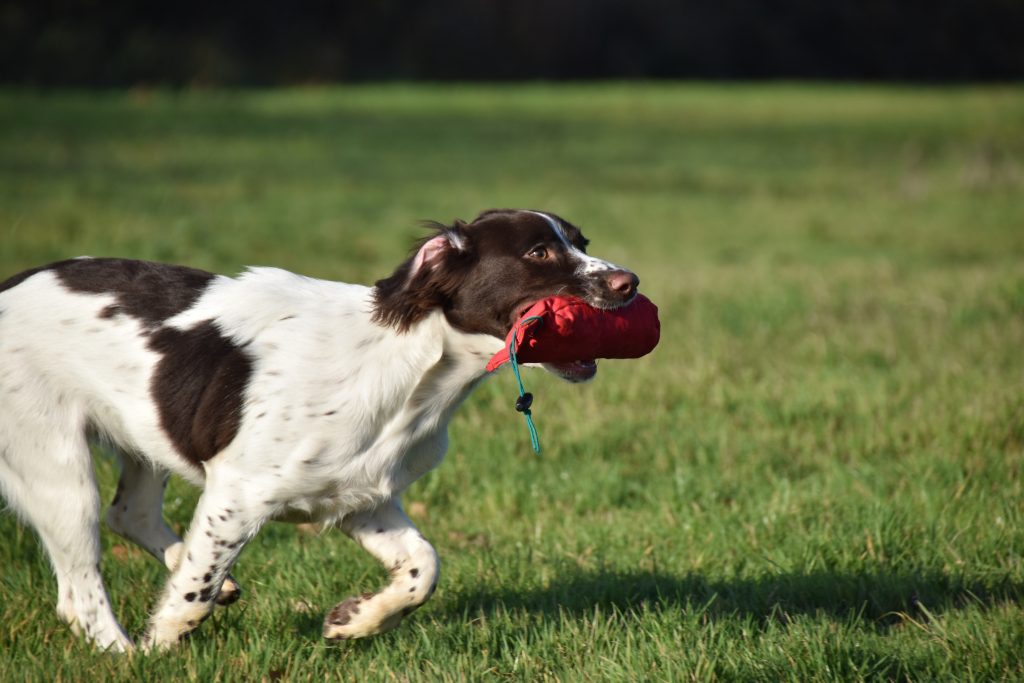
(565,329)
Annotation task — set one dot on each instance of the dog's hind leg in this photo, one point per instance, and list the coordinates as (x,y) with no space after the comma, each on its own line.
(46,475)
(387,534)
(136,513)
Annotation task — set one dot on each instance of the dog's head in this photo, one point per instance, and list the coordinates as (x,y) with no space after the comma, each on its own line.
(483,275)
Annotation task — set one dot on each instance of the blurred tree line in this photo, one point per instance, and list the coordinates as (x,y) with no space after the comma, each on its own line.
(188,42)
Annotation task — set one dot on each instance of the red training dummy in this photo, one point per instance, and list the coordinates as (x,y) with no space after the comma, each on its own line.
(569,329)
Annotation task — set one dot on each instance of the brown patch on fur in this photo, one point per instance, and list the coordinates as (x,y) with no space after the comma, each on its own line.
(199,388)
(151,292)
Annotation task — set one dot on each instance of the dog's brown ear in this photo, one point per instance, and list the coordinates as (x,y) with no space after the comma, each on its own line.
(431,254)
(427,280)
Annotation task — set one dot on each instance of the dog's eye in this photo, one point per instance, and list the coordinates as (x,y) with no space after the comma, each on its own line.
(538,252)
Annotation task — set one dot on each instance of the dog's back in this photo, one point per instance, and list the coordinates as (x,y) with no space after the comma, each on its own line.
(80,347)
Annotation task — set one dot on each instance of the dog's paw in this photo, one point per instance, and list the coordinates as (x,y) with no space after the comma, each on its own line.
(155,641)
(120,644)
(359,618)
(163,634)
(147,643)
(110,640)
(230,591)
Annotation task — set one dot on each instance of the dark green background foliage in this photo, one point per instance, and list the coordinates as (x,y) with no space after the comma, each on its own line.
(817,476)
(122,42)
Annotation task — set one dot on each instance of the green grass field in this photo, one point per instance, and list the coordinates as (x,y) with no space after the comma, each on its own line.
(817,476)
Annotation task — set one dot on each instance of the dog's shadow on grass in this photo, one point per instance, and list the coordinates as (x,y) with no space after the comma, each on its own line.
(884,599)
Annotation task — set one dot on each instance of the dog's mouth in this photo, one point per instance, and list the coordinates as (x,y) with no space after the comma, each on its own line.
(574,371)
(520,309)
(599,300)
(595,300)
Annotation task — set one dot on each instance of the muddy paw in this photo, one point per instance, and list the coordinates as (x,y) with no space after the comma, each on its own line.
(341,617)
(358,618)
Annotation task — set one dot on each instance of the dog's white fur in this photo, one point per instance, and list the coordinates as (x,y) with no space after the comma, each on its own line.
(372,447)
(341,415)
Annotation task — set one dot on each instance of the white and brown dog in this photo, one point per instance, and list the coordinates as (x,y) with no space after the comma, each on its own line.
(282,396)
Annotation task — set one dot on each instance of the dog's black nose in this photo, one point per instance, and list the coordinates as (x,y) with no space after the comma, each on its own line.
(622,282)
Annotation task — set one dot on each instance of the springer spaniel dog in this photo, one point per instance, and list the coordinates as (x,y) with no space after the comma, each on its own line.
(283,397)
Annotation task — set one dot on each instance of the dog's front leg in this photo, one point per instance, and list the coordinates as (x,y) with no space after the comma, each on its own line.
(387,534)
(223,522)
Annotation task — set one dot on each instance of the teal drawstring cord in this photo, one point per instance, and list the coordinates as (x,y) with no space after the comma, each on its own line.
(525,399)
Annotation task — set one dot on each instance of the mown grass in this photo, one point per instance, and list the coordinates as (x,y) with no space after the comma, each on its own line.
(817,476)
